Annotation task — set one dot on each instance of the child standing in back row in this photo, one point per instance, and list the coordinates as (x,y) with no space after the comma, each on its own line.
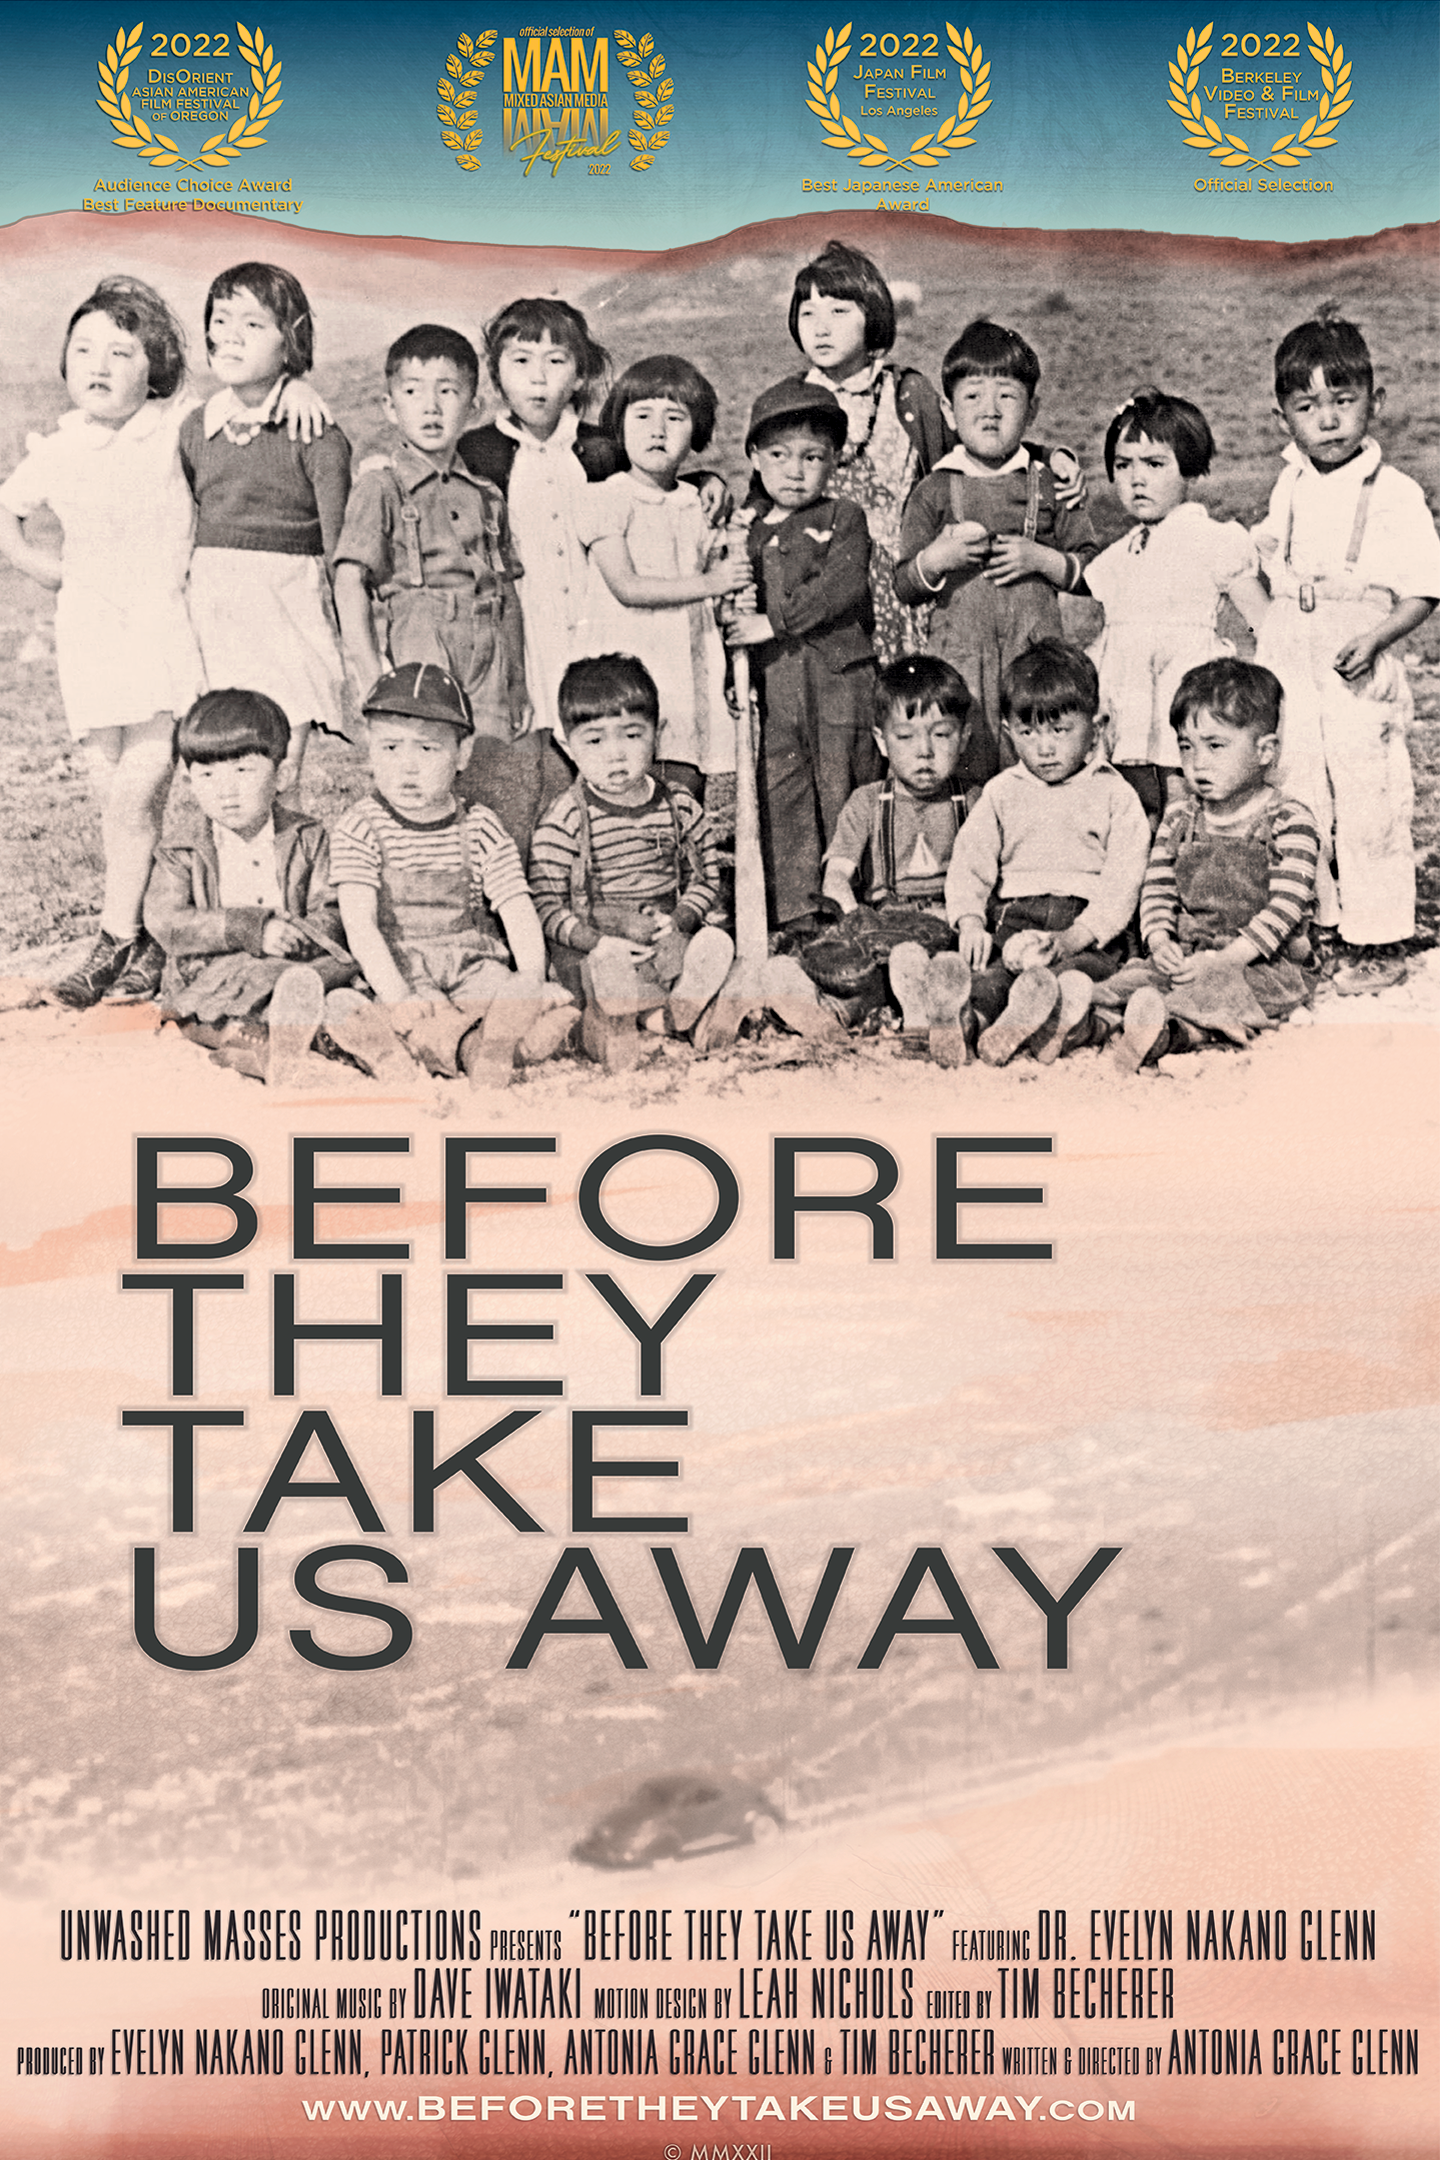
(986,537)
(1353,563)
(269,511)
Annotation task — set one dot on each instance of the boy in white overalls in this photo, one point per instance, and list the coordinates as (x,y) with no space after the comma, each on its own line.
(1352,559)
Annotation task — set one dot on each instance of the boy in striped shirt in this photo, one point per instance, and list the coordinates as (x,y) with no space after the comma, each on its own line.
(1230,886)
(433,897)
(624,871)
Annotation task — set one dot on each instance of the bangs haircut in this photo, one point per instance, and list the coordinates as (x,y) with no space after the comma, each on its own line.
(1336,348)
(825,426)
(665,375)
(1239,692)
(907,688)
(432,341)
(843,273)
(1174,421)
(283,295)
(535,320)
(984,348)
(137,308)
(611,683)
(1049,679)
(225,724)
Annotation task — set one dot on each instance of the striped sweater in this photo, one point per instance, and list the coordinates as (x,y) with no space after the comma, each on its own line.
(1293,847)
(640,857)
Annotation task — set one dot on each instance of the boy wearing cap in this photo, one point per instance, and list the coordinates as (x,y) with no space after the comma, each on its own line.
(812,637)
(432,894)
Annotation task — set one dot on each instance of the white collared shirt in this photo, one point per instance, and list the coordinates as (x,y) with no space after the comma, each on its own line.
(249,876)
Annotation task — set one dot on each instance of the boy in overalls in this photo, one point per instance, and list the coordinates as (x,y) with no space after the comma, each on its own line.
(1230,886)
(624,871)
(431,542)
(1352,559)
(434,901)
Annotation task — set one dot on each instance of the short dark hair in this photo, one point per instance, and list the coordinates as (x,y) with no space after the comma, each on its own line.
(1337,348)
(663,375)
(277,290)
(843,273)
(830,427)
(562,324)
(432,341)
(983,348)
(1239,692)
(136,307)
(610,683)
(1049,679)
(1164,419)
(226,724)
(913,685)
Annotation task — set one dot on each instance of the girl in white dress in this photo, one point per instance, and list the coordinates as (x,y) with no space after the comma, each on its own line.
(125,651)
(660,565)
(1162,585)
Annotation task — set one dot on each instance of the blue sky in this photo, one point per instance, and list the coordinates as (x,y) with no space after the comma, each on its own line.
(1078,130)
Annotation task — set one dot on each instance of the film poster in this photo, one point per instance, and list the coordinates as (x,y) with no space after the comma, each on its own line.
(793,1595)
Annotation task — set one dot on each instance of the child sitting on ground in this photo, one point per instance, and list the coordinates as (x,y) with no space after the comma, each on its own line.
(814,656)
(237,909)
(431,541)
(1231,881)
(624,870)
(985,535)
(435,903)
(1052,856)
(895,837)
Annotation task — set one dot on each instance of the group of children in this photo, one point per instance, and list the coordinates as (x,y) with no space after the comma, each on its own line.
(526,624)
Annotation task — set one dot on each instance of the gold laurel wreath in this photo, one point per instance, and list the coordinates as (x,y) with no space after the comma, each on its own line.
(840,133)
(654,98)
(464,71)
(133,131)
(1318,133)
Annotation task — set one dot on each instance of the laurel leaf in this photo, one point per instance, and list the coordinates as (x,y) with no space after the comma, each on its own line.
(981,105)
(647,46)
(1343,106)
(471,164)
(473,139)
(923,143)
(944,133)
(1205,33)
(464,97)
(473,75)
(646,97)
(212,142)
(844,34)
(641,164)
(657,66)
(876,157)
(850,129)
(1211,130)
(923,160)
(1178,105)
(487,37)
(644,120)
(451,140)
(667,88)
(452,68)
(637,141)
(445,114)
(816,107)
(1279,159)
(665,114)
(637,75)
(464,45)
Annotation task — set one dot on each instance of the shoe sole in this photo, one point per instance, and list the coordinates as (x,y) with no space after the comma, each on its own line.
(1073,1006)
(1033,998)
(369,1038)
(708,959)
(947,994)
(788,993)
(1145,1022)
(909,964)
(296,1009)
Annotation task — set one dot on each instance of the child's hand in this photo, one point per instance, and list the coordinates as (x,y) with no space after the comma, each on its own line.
(668,954)
(1013,557)
(622,948)
(1194,967)
(958,547)
(716,500)
(748,630)
(728,575)
(407,1012)
(281,940)
(1071,490)
(1354,661)
(1169,957)
(303,411)
(974,941)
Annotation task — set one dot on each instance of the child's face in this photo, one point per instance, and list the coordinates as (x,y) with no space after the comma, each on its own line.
(1222,762)
(247,344)
(990,413)
(414,763)
(614,754)
(657,434)
(832,334)
(1148,478)
(107,370)
(923,748)
(1330,425)
(238,792)
(794,466)
(1053,747)
(537,380)
(430,402)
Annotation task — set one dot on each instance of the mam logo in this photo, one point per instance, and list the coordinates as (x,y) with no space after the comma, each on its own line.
(556,94)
